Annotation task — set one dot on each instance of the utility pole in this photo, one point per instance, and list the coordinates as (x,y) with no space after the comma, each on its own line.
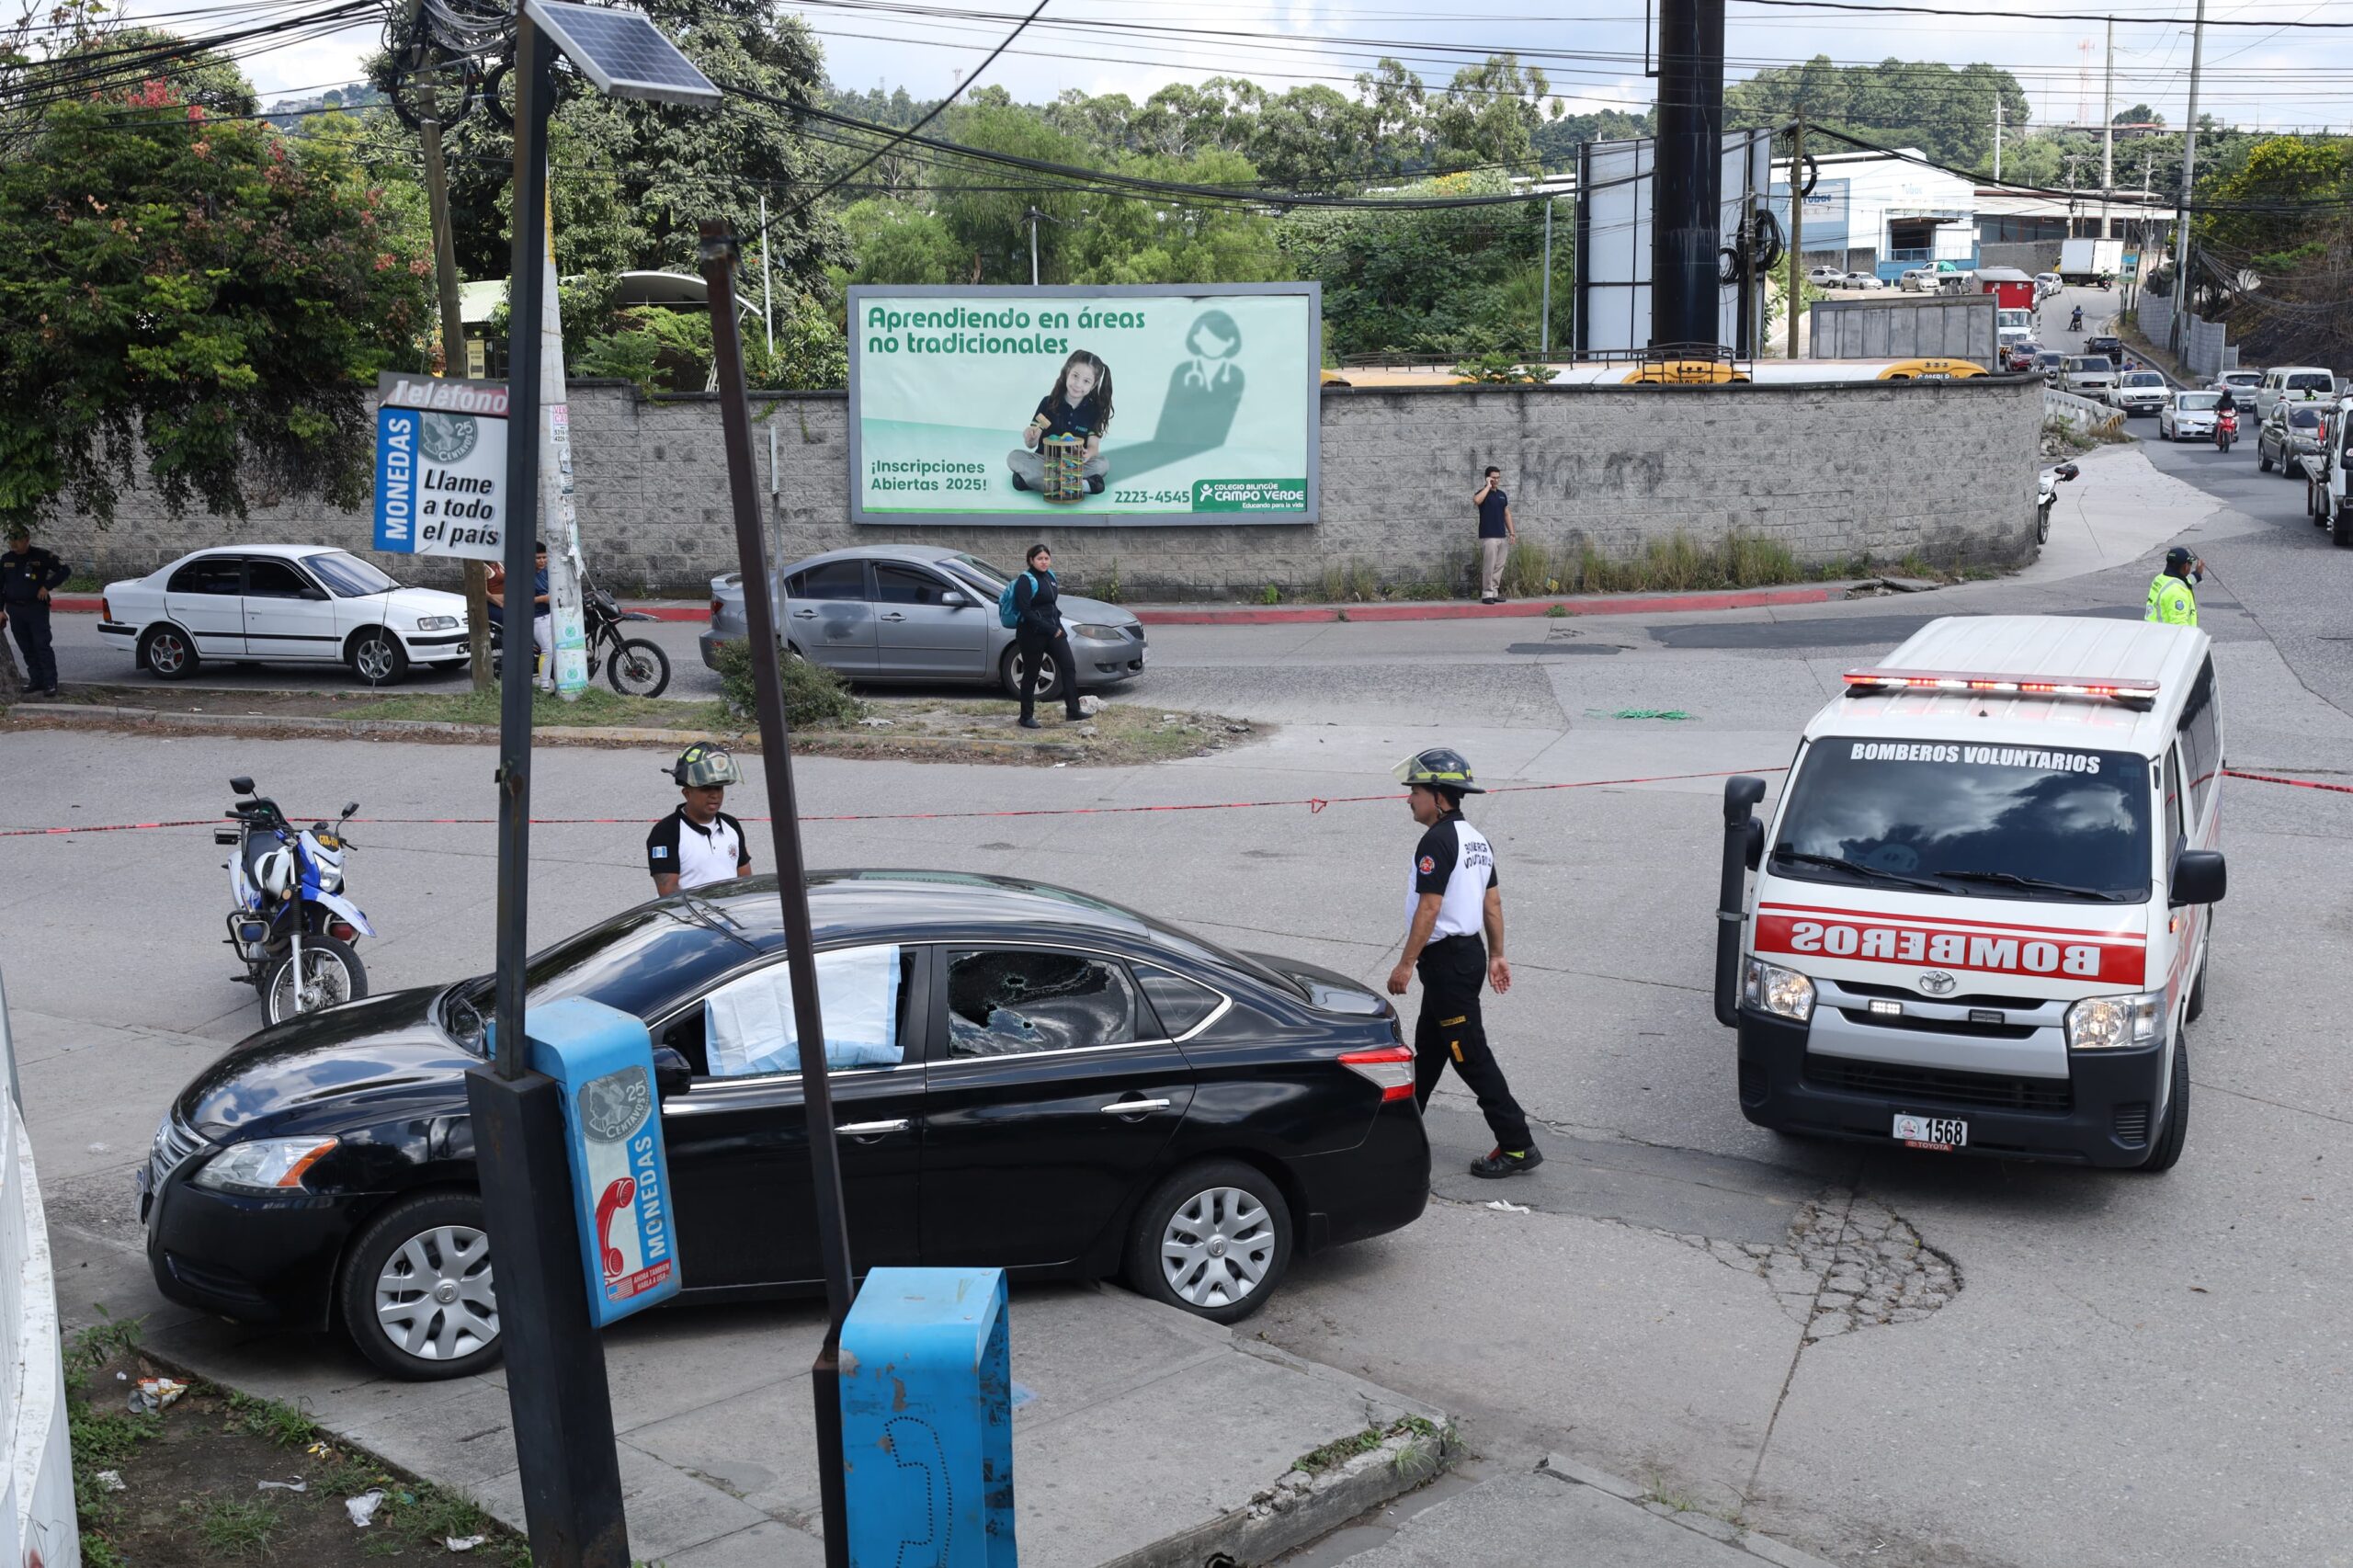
(1544,335)
(1033,215)
(453,348)
(2108,131)
(1796,223)
(1997,136)
(2181,301)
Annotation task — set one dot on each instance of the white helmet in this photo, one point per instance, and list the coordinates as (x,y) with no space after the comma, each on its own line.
(274,872)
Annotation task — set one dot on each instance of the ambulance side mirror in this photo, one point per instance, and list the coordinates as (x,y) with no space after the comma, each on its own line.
(673,1073)
(2197,878)
(1755,853)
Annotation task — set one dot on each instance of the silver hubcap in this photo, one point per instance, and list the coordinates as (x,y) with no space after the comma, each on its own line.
(375,660)
(434,1298)
(323,983)
(165,654)
(1218,1246)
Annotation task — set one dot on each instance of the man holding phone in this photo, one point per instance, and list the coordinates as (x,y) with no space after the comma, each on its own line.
(1496,532)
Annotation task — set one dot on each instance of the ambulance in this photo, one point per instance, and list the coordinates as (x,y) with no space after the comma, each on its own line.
(1984,902)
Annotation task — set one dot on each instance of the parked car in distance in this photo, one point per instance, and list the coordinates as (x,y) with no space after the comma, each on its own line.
(2087,375)
(2046,284)
(2189,416)
(2137,391)
(280,604)
(1826,276)
(1865,280)
(914,612)
(2053,364)
(2111,346)
(2289,434)
(1917,279)
(1023,1077)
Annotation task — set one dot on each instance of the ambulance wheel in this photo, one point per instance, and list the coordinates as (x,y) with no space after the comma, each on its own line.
(2165,1153)
(416,1295)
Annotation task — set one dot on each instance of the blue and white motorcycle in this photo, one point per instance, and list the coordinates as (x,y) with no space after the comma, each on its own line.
(293,925)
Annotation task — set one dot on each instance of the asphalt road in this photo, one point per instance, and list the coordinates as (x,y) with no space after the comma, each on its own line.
(2116,1369)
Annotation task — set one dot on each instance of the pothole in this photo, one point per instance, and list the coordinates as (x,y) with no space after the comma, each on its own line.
(1847,1262)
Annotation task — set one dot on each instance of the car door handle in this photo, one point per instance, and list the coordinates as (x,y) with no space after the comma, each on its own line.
(894,615)
(804,615)
(871,1128)
(1134,1108)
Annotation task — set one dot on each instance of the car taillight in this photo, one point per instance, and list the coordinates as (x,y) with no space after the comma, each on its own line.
(342,930)
(714,609)
(105,610)
(1390,1068)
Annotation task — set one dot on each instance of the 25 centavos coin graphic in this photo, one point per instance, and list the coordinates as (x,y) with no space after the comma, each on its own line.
(613,1107)
(447,437)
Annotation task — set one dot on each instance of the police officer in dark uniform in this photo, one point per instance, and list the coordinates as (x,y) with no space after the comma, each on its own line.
(1451,899)
(27,574)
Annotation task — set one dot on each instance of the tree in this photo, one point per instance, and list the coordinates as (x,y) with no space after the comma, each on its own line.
(890,241)
(2138,114)
(1489,115)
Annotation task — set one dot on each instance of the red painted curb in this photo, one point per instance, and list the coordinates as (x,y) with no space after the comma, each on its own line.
(1638,604)
(76,605)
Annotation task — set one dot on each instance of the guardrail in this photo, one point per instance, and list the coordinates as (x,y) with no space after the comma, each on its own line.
(36,1524)
(2080,412)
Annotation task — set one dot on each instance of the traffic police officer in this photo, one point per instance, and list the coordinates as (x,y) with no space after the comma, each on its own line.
(2170,601)
(1451,896)
(699,844)
(27,574)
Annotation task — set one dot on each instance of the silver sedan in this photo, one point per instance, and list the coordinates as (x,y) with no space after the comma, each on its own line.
(911,612)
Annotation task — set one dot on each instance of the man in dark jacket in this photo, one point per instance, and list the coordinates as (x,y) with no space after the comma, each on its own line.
(1040,634)
(26,575)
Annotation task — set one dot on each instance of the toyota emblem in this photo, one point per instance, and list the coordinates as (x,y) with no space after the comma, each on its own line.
(1937,982)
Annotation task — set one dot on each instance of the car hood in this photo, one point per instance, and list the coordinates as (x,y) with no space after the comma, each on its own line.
(367,1053)
(417,601)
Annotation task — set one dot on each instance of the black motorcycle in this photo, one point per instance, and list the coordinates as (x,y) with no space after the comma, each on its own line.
(635,666)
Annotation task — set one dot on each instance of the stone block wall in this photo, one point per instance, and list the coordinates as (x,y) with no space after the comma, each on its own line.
(1831,470)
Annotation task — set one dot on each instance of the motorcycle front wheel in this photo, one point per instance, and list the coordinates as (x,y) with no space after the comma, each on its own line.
(638,668)
(331,973)
(2043,524)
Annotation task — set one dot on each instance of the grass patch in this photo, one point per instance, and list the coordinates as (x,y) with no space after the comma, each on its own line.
(1340,1451)
(273,1421)
(232,1528)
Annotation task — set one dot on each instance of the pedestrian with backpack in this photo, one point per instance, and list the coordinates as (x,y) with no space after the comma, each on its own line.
(1028,605)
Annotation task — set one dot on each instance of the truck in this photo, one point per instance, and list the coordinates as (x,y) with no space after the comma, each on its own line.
(2325,496)
(2090,261)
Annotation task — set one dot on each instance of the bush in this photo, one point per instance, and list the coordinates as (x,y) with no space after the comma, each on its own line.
(814,695)
(1503,370)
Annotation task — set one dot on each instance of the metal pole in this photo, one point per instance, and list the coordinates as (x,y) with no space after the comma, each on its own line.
(1033,247)
(2107,132)
(767,310)
(453,349)
(1545,344)
(1997,135)
(719,258)
(2189,164)
(561,1408)
(1796,223)
(1687,230)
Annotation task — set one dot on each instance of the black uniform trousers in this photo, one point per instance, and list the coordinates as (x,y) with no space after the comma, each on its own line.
(1031,647)
(30,621)
(1450,1029)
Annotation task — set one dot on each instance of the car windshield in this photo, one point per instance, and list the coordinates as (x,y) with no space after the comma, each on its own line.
(2144,378)
(348,576)
(639,962)
(2087,364)
(1973,820)
(2194,402)
(975,571)
(2305,418)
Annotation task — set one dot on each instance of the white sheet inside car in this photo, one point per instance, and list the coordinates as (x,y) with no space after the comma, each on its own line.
(749,1027)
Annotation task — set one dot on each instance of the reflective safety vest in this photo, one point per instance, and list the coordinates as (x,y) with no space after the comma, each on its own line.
(2170,602)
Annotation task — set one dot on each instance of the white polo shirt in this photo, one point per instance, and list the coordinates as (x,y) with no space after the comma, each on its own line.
(1454,860)
(695,854)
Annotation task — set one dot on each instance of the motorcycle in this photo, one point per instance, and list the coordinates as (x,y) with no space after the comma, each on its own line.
(2226,429)
(292,925)
(2075,322)
(2047,496)
(635,666)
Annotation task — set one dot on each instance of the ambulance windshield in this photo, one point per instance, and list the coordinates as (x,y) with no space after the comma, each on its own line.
(1982,821)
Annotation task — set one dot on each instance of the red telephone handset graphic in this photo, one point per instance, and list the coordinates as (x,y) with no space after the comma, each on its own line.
(616,1198)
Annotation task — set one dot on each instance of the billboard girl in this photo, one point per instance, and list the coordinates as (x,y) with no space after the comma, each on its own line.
(1080,405)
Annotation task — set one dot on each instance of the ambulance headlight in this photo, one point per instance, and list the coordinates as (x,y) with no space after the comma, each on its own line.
(2114,1023)
(1784,993)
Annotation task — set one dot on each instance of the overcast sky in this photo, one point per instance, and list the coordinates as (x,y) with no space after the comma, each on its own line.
(1591,49)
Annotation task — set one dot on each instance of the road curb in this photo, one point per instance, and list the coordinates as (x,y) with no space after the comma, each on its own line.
(1565,1469)
(1577,605)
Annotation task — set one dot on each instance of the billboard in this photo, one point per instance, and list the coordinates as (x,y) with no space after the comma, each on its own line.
(440,466)
(1090,406)
(1612,313)
(1827,208)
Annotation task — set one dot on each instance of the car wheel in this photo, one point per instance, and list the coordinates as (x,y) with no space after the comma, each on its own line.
(376,657)
(1050,675)
(416,1293)
(2165,1153)
(1212,1240)
(2262,458)
(2340,527)
(168,653)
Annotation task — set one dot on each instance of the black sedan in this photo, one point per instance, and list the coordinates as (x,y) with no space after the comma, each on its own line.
(1023,1077)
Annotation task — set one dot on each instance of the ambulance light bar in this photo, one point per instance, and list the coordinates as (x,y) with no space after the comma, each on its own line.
(2112,689)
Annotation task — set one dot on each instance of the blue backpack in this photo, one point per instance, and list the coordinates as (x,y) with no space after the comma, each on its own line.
(1007,614)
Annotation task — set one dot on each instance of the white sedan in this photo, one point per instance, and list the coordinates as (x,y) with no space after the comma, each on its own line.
(268,603)
(1865,280)
(1826,276)
(2139,392)
(2189,416)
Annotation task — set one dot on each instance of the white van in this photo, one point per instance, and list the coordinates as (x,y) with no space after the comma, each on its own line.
(2297,383)
(1981,908)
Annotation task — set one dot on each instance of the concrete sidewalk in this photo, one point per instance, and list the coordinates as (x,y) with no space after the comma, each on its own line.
(1143,1438)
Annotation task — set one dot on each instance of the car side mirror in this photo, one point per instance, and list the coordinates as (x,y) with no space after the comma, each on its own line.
(241,785)
(316,595)
(951,599)
(2199,877)
(673,1073)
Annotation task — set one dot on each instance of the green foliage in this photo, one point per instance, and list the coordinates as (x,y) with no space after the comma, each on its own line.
(893,241)
(1947,113)
(232,1527)
(1503,370)
(814,695)
(1489,115)
(207,293)
(270,1420)
(1270,595)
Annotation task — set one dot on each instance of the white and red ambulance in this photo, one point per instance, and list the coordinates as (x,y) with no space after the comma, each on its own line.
(1983,905)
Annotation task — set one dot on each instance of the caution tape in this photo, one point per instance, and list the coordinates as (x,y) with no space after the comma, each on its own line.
(2278,779)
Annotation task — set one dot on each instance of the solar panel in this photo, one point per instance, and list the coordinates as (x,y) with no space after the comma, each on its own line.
(623,52)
